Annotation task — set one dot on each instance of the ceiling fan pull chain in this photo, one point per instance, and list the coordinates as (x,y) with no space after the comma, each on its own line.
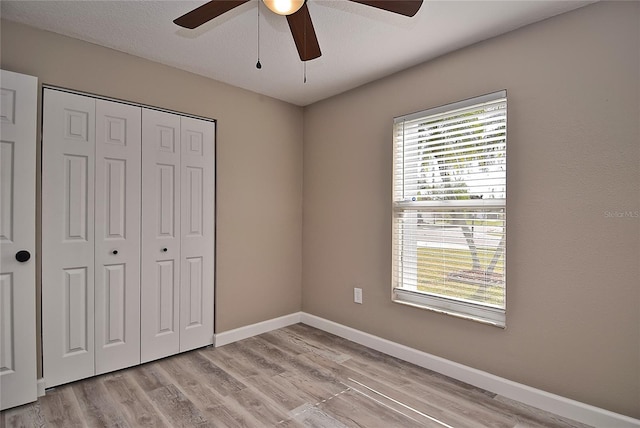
(258,65)
(304,63)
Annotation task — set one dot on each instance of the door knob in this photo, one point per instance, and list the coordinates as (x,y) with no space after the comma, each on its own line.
(22,256)
(114,252)
(164,250)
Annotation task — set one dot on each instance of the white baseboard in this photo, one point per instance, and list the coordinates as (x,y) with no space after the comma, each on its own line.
(41,386)
(561,406)
(245,332)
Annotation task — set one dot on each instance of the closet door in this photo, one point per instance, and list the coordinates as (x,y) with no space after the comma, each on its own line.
(197,244)
(68,142)
(160,304)
(117,236)
(19,103)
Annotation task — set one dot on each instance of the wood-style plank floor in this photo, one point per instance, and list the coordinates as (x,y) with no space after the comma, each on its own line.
(293,377)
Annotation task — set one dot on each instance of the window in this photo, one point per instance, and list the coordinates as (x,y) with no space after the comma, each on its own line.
(449,208)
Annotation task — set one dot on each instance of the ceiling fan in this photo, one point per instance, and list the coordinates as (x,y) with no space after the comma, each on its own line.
(297,15)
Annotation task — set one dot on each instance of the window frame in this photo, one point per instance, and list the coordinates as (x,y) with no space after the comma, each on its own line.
(476,311)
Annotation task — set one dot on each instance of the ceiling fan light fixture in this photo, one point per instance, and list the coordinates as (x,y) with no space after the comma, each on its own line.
(284,7)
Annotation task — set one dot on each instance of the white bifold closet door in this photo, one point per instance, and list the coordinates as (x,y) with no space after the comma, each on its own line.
(68,151)
(18,110)
(91,236)
(197,226)
(117,236)
(128,235)
(177,234)
(160,297)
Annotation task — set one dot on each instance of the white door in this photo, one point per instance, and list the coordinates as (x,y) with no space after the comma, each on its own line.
(68,145)
(197,247)
(17,239)
(117,236)
(160,296)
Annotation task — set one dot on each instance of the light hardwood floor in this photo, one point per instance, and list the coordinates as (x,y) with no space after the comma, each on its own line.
(293,377)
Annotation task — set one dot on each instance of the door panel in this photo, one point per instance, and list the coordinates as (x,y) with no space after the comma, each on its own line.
(193,197)
(7,334)
(194,293)
(115,306)
(117,235)
(18,109)
(68,150)
(197,240)
(160,322)
(165,212)
(6,190)
(75,199)
(75,310)
(166,298)
(115,197)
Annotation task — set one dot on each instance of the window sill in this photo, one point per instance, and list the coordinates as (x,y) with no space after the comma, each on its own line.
(489,316)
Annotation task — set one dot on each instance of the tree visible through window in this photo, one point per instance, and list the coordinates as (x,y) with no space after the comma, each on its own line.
(449,208)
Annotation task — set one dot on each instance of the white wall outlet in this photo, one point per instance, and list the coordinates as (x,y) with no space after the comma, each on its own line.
(357,295)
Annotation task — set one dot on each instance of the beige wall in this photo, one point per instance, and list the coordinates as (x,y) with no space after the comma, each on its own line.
(573,316)
(259,162)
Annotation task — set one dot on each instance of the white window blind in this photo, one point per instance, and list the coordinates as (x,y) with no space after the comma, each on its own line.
(449,208)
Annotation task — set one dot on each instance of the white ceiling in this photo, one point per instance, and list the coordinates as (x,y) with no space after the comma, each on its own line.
(359,44)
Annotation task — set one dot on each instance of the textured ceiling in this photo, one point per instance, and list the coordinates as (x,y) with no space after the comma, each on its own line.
(359,44)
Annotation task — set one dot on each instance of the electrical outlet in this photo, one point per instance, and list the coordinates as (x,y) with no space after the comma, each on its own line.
(357,295)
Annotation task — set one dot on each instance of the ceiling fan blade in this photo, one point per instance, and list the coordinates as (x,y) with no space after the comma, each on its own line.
(304,34)
(402,7)
(207,12)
